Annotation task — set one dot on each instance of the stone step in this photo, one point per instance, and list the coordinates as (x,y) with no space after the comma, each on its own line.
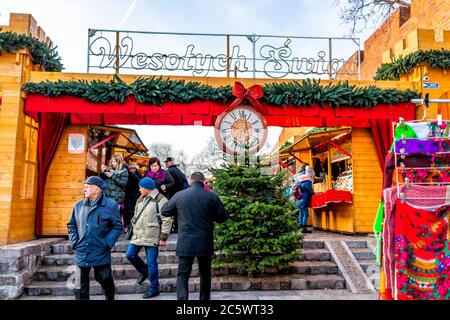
(226,283)
(117,258)
(127,271)
(356,243)
(363,253)
(120,272)
(165,257)
(313,244)
(65,247)
(120,246)
(316,255)
(313,267)
(366,263)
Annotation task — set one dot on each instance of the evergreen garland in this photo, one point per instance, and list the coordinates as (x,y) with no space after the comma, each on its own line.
(157,91)
(40,53)
(262,230)
(437,59)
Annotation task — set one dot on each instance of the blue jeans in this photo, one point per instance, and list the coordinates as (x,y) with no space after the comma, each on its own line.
(151,269)
(303,215)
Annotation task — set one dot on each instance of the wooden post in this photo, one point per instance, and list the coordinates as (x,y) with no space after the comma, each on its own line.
(330,176)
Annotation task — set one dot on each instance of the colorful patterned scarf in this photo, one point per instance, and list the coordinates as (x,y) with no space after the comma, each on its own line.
(159,175)
(422,253)
(429,147)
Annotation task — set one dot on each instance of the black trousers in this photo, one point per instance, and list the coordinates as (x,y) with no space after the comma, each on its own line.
(184,273)
(130,205)
(175,223)
(103,275)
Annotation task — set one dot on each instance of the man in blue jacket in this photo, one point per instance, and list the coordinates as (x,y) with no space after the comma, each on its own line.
(94,228)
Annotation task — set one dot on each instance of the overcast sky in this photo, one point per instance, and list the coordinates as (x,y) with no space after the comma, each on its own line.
(67,22)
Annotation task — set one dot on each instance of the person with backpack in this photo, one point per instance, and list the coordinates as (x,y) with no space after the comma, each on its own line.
(149,231)
(303,191)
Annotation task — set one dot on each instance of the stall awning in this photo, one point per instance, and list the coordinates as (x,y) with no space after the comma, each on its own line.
(125,138)
(315,139)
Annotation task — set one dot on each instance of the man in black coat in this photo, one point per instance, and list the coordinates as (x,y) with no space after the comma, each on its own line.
(197,210)
(180,180)
(131,193)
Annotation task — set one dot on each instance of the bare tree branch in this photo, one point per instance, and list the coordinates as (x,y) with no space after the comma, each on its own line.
(361,13)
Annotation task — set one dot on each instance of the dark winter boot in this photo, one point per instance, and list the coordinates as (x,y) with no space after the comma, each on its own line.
(304,230)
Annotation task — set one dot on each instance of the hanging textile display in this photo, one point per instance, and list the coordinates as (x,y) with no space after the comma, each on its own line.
(422,255)
(414,210)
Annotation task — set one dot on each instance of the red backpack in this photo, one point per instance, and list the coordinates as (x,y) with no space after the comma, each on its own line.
(296,192)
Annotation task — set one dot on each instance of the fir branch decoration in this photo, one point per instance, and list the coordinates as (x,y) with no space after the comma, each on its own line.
(40,53)
(157,91)
(437,59)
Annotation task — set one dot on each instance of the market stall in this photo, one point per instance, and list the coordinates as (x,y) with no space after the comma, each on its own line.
(81,152)
(343,160)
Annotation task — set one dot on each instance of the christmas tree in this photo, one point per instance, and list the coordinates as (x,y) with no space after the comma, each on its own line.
(262,229)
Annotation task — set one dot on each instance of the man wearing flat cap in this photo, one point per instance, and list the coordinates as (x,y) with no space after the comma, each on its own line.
(94,227)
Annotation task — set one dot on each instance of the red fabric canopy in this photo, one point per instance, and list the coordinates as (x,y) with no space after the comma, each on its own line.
(205,113)
(58,109)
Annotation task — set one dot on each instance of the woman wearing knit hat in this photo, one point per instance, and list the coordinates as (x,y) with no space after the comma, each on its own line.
(150,230)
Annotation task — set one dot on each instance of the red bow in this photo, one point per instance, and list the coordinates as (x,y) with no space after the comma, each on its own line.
(251,94)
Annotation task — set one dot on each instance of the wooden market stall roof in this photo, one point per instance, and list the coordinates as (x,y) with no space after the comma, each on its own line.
(124,138)
(314,139)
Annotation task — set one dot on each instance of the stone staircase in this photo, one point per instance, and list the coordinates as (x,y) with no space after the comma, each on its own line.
(314,269)
(362,250)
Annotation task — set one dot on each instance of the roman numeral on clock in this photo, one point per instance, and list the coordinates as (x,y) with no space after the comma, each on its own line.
(242,114)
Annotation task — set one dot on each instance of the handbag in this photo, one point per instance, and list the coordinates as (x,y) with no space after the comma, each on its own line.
(129,234)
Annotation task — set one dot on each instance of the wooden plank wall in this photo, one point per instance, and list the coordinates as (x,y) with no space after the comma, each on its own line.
(17,213)
(64,185)
(10,76)
(367,180)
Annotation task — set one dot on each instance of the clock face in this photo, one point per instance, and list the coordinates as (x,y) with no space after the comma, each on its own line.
(240,130)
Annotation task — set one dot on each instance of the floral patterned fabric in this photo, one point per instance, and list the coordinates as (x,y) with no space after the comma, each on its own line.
(422,253)
(421,175)
(429,147)
(418,160)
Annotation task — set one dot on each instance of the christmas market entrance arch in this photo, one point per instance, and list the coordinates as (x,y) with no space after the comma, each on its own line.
(54,106)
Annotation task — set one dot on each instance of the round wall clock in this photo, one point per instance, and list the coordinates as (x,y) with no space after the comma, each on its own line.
(241,130)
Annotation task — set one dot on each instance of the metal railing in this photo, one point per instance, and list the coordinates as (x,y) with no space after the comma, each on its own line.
(238,55)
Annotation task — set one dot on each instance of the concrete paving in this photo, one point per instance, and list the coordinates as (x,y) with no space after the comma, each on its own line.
(334,294)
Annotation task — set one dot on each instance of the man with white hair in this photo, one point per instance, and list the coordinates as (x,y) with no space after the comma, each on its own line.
(94,228)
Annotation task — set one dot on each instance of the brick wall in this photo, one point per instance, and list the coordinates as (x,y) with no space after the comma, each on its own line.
(423,14)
